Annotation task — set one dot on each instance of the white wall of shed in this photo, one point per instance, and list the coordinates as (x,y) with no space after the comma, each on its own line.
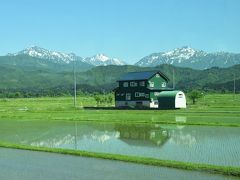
(180,100)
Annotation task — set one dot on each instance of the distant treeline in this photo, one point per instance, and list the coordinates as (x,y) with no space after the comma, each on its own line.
(53,92)
(81,90)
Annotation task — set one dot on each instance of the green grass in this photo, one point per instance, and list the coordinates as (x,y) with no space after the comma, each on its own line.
(213,109)
(233,171)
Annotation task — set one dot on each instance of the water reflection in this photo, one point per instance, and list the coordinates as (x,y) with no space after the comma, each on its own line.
(181,119)
(59,134)
(71,134)
(142,135)
(201,144)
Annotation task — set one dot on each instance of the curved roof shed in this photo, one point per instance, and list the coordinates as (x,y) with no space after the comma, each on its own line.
(172,100)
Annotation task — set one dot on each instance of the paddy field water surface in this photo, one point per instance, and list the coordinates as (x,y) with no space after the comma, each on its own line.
(217,145)
(28,165)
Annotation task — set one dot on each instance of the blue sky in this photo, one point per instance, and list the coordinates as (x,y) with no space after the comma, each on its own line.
(126,29)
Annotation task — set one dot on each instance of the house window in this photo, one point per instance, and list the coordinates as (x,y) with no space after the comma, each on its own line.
(125,84)
(137,94)
(133,84)
(156,93)
(118,94)
(146,95)
(151,84)
(128,96)
(164,84)
(142,83)
(157,75)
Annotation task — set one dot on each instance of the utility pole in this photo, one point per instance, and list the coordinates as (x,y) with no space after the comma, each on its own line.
(234,84)
(75,83)
(173,78)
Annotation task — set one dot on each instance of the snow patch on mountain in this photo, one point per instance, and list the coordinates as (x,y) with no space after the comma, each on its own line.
(103,60)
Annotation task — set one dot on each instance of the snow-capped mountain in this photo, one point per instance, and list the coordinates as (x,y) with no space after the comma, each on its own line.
(42,53)
(103,60)
(58,57)
(189,57)
(176,56)
(183,57)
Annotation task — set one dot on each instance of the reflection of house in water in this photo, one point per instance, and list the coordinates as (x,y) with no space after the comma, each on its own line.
(142,134)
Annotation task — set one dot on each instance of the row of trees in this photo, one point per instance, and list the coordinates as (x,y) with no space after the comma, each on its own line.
(51,92)
(104,98)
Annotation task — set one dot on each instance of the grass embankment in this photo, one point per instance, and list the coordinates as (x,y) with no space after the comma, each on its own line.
(225,170)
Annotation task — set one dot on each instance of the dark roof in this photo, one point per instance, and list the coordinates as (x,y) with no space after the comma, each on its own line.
(144,75)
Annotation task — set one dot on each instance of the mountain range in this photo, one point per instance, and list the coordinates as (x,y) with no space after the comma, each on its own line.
(181,57)
(67,58)
(192,58)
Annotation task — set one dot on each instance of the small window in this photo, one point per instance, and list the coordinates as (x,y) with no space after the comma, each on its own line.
(118,94)
(128,96)
(180,95)
(122,94)
(155,103)
(157,75)
(156,93)
(146,95)
(164,84)
(133,84)
(125,84)
(151,84)
(142,83)
(137,94)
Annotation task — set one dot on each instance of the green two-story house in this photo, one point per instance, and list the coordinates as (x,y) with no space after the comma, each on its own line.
(139,89)
(147,89)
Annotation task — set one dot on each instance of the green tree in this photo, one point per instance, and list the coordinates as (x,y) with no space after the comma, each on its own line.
(97,98)
(17,95)
(194,95)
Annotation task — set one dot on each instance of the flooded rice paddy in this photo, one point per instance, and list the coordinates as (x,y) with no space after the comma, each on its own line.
(28,165)
(198,144)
